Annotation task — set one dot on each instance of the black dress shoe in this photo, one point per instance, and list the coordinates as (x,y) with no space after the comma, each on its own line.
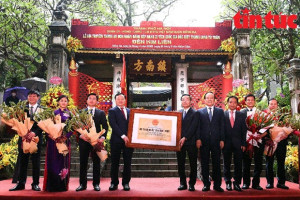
(205,188)
(257,187)
(191,188)
(282,186)
(236,187)
(18,187)
(113,187)
(218,189)
(182,187)
(126,187)
(96,187)
(35,188)
(81,188)
(269,186)
(228,186)
(245,186)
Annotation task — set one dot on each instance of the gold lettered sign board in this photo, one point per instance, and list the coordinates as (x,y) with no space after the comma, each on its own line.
(150,129)
(149,65)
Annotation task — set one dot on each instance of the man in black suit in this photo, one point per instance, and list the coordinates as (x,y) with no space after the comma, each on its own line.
(258,151)
(280,153)
(187,144)
(85,148)
(235,143)
(32,108)
(211,140)
(118,119)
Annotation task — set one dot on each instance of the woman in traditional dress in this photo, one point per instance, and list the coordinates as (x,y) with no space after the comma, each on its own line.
(57,165)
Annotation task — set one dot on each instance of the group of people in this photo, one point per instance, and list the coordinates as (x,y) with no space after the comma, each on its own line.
(57,166)
(209,129)
(214,131)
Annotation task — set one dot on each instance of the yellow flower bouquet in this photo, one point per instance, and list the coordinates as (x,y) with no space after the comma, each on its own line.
(291,162)
(73,44)
(228,45)
(49,98)
(8,157)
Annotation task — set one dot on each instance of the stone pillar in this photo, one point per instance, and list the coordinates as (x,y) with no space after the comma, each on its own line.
(181,82)
(293,73)
(57,52)
(241,64)
(116,81)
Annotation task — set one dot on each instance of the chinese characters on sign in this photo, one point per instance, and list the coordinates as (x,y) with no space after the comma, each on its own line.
(150,66)
(182,81)
(118,82)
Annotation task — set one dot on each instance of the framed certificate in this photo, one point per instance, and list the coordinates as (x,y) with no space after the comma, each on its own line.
(150,129)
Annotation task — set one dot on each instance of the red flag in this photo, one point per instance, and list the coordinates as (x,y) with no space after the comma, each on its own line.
(123,80)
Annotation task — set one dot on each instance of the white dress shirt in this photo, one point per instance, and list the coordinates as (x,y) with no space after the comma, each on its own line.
(212,110)
(234,112)
(125,112)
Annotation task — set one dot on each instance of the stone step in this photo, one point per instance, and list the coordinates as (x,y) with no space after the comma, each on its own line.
(153,167)
(147,173)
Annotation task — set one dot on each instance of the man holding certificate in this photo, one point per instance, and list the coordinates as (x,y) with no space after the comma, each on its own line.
(118,119)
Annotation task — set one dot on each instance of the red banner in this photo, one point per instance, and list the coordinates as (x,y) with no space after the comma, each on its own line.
(151,36)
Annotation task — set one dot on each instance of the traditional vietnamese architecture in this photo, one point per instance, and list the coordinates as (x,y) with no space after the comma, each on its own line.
(186,57)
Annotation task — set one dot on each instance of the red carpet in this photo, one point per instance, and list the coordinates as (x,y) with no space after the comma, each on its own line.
(147,188)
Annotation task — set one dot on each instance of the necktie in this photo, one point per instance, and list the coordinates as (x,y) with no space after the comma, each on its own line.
(123,112)
(232,119)
(210,114)
(249,110)
(31,113)
(91,112)
(184,114)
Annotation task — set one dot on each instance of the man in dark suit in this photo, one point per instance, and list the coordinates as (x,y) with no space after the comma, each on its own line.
(235,143)
(211,140)
(85,148)
(118,119)
(280,153)
(258,151)
(187,144)
(32,108)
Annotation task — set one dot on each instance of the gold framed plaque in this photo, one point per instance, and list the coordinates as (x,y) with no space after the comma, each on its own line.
(149,129)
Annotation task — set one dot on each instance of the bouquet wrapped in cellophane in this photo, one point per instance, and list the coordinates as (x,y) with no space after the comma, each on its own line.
(53,126)
(257,124)
(279,132)
(16,117)
(285,125)
(83,123)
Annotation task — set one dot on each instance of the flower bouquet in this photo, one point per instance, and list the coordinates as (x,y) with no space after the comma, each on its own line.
(8,157)
(240,92)
(49,98)
(257,124)
(228,45)
(16,117)
(73,44)
(53,126)
(279,132)
(83,123)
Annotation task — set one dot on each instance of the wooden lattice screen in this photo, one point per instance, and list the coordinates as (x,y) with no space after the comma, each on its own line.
(88,85)
(211,85)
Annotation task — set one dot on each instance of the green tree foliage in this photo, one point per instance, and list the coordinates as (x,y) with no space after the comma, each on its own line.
(24,29)
(23,41)
(271,48)
(127,11)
